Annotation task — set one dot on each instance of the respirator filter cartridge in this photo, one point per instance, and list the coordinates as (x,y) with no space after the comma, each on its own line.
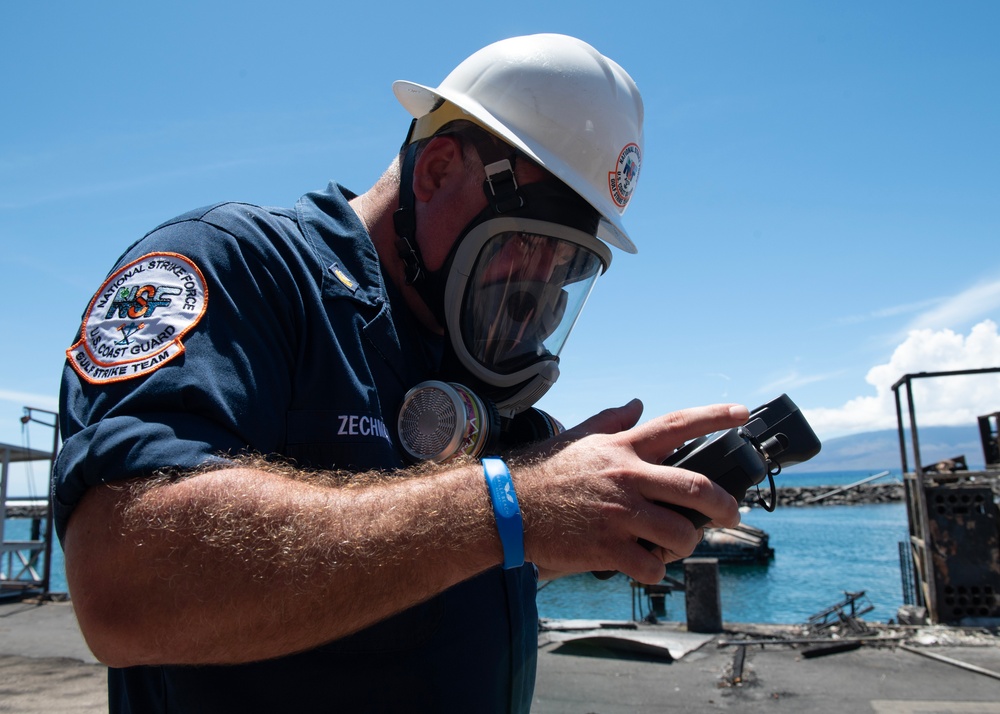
(441,420)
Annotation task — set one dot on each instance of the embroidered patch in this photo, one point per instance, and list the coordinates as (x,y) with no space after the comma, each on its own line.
(135,322)
(623,179)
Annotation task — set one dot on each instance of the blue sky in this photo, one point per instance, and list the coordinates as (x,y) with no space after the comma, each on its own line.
(818,211)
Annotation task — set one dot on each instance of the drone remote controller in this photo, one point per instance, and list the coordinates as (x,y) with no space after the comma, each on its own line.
(775,436)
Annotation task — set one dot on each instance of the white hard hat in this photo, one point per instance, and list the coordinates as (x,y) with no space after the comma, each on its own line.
(567,107)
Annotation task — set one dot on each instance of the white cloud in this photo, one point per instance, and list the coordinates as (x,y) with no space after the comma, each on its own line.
(939,401)
(720,375)
(40,401)
(891,311)
(794,379)
(977,302)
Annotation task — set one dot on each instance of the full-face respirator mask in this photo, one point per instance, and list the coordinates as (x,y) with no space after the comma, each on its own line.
(559,103)
(508,296)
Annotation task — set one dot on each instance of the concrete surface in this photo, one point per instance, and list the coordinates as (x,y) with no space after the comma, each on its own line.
(880,676)
(45,667)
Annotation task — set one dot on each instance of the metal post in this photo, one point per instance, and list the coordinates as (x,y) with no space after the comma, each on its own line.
(702,595)
(899,425)
(3,492)
(930,576)
(47,571)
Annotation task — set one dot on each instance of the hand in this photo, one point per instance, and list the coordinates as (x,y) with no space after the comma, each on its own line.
(598,488)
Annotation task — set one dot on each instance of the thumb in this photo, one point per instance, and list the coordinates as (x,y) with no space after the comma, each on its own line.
(611,420)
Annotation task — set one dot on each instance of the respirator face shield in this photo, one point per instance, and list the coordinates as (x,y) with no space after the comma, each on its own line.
(515,289)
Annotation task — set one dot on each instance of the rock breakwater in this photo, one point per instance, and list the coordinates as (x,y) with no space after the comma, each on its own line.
(890,492)
(875,492)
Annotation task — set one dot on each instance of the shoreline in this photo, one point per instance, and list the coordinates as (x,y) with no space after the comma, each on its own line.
(804,496)
(845,495)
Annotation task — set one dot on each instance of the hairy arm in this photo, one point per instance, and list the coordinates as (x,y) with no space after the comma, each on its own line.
(248,562)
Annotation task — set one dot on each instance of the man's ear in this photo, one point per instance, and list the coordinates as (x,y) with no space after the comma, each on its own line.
(439,165)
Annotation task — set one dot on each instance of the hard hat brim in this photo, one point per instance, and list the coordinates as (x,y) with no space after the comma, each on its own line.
(419,100)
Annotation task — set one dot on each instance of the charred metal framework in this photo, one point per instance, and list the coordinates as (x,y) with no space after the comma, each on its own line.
(953,519)
(845,614)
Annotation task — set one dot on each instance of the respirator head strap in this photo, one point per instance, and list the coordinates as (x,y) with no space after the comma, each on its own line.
(500,186)
(499,160)
(404,220)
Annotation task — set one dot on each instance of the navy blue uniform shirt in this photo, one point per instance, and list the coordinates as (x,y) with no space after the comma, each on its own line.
(236,329)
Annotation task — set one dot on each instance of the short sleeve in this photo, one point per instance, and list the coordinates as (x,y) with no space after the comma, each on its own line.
(227,389)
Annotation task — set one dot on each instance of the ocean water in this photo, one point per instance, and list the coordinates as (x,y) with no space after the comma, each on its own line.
(20,529)
(820,552)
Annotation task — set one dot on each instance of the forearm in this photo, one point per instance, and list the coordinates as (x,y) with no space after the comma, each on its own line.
(242,564)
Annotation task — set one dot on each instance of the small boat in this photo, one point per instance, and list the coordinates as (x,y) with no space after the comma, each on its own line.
(742,545)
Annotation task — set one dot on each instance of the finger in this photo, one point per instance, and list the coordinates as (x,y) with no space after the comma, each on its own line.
(669,532)
(641,564)
(610,421)
(731,523)
(678,487)
(647,564)
(665,554)
(655,440)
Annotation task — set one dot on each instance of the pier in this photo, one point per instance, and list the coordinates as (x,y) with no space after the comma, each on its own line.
(47,668)
(25,564)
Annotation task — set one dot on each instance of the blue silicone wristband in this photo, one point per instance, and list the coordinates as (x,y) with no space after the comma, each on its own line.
(506,511)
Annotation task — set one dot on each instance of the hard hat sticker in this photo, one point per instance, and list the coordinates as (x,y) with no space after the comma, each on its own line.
(623,179)
(135,322)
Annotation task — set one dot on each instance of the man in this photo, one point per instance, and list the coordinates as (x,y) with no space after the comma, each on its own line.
(242,529)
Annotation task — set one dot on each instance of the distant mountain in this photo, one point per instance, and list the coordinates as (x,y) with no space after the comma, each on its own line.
(877,450)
